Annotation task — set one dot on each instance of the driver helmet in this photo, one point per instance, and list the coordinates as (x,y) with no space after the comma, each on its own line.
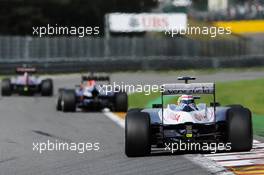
(187,103)
(90,83)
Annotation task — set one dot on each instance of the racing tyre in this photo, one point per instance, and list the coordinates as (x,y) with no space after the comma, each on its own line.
(121,102)
(135,110)
(58,105)
(47,87)
(68,101)
(235,106)
(239,129)
(6,87)
(137,134)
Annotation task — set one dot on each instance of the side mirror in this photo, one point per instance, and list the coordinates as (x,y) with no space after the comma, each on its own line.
(212,104)
(157,106)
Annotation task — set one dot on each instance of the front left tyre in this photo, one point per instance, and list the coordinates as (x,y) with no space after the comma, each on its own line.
(137,134)
(47,87)
(58,105)
(6,87)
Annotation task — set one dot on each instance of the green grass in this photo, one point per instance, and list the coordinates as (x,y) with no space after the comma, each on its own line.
(258,125)
(140,100)
(249,93)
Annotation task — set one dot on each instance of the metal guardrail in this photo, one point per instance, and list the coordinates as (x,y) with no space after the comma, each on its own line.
(27,48)
(124,53)
(133,64)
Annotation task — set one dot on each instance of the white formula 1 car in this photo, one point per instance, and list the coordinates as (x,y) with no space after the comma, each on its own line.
(187,122)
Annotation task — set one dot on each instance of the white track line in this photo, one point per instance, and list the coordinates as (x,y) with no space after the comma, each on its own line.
(116,119)
(198,159)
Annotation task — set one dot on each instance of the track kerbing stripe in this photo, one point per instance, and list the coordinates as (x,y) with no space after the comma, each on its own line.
(118,120)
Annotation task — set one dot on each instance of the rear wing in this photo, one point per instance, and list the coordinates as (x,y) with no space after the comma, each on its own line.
(189,89)
(192,88)
(96,78)
(21,70)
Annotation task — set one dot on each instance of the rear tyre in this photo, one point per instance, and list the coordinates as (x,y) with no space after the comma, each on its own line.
(68,101)
(135,110)
(235,106)
(137,134)
(121,102)
(47,87)
(58,105)
(6,87)
(239,129)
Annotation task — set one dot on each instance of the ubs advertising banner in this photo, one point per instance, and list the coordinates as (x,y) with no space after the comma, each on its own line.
(123,22)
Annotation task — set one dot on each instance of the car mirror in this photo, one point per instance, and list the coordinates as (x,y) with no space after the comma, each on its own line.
(212,104)
(157,106)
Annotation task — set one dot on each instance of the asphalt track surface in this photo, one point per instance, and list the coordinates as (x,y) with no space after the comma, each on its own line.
(28,120)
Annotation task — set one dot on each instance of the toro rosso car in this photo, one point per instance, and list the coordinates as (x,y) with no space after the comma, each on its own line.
(26,84)
(90,95)
(187,122)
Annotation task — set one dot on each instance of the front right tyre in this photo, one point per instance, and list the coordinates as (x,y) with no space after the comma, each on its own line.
(239,129)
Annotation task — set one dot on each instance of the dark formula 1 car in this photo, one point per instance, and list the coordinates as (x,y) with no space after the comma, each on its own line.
(26,84)
(91,96)
(187,122)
